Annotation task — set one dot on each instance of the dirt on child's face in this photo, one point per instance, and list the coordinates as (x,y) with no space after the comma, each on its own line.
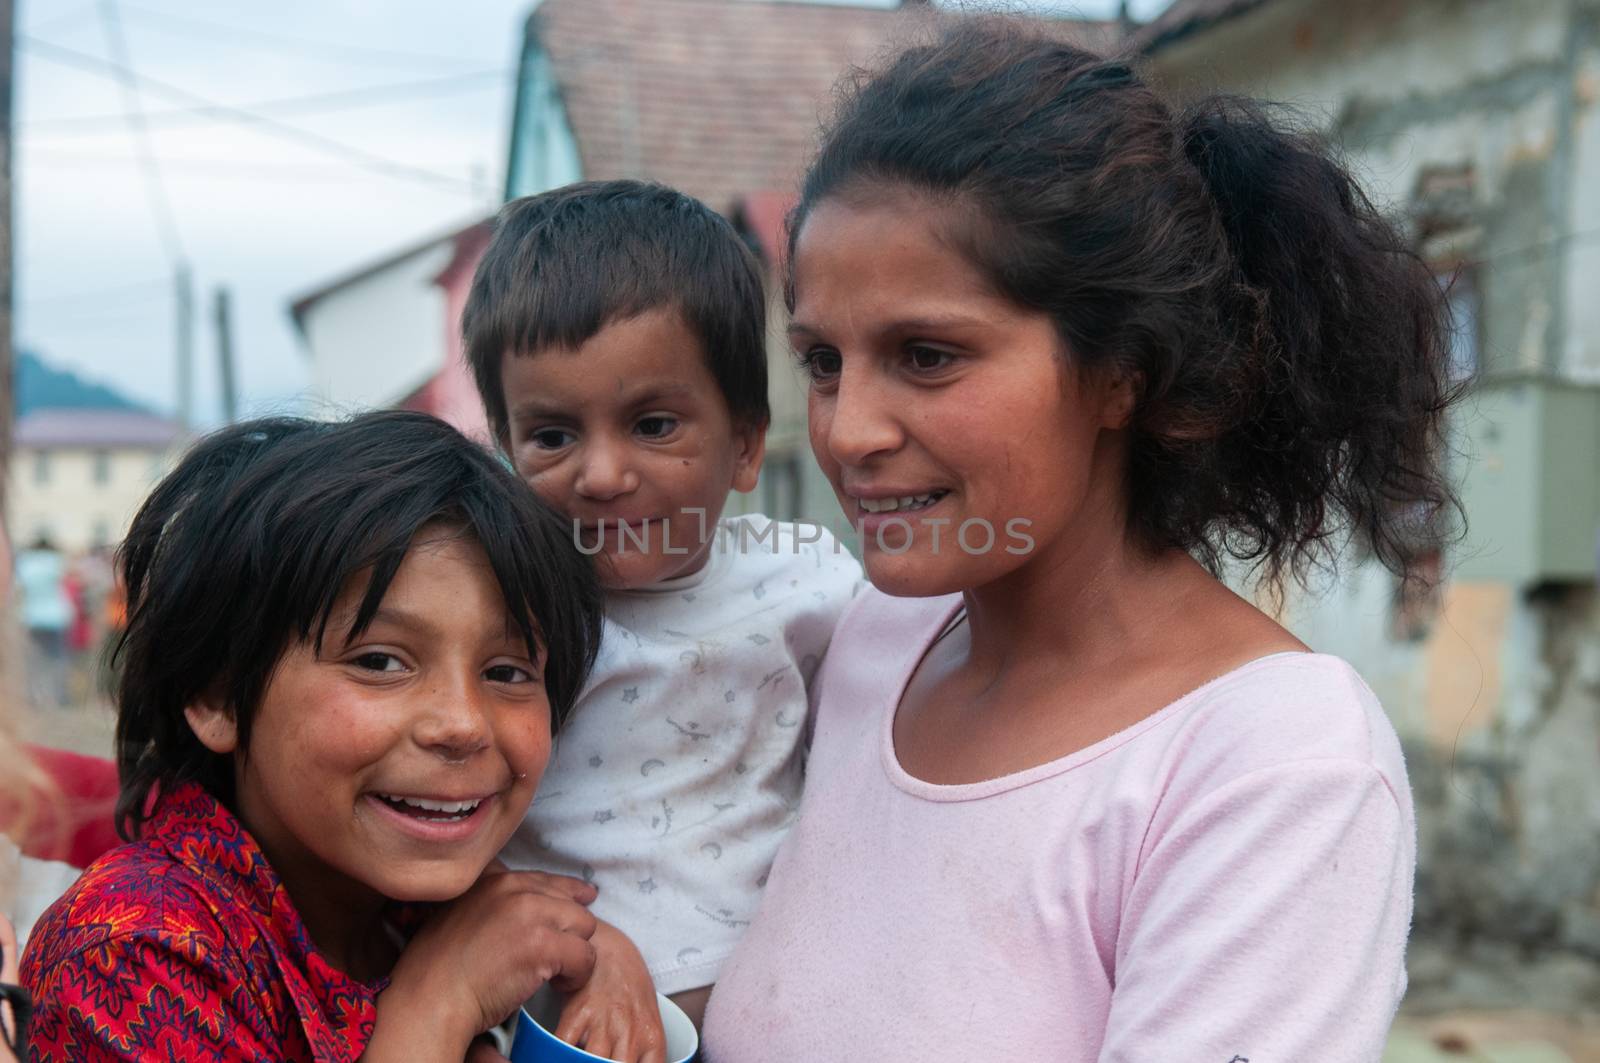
(630,436)
(402,760)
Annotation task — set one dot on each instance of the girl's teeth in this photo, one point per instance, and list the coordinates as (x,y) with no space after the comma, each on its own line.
(449,808)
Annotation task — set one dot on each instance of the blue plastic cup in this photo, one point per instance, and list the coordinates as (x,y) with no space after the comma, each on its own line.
(536,1042)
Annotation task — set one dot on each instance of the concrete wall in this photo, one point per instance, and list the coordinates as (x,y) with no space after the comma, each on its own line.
(1497,693)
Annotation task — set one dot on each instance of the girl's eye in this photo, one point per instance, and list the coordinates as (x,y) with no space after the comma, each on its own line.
(507,673)
(551,438)
(821,364)
(928,359)
(378,662)
(656,426)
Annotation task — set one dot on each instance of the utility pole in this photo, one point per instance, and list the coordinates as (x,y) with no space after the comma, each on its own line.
(224,320)
(7,13)
(183,339)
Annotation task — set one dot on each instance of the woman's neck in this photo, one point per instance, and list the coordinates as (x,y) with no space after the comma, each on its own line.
(1086,599)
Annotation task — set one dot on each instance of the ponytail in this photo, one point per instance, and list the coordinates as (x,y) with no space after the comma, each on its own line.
(1342,332)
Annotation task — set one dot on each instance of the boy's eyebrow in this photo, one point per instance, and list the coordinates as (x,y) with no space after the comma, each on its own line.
(653,391)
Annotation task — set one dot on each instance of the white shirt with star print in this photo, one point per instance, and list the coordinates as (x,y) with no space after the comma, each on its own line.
(679,770)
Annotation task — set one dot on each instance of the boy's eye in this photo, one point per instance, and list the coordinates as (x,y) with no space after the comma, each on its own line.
(551,438)
(507,673)
(656,426)
(378,662)
(821,364)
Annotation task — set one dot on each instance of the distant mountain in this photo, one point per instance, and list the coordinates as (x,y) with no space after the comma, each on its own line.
(41,387)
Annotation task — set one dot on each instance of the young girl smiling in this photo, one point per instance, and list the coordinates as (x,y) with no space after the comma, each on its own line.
(1082,802)
(348,645)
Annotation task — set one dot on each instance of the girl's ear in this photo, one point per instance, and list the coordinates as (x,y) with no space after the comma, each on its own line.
(213,724)
(752,448)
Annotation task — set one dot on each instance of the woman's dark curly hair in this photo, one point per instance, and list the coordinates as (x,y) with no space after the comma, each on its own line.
(246,547)
(1291,348)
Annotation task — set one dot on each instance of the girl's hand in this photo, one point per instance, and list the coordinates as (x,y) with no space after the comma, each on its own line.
(615,1015)
(476,960)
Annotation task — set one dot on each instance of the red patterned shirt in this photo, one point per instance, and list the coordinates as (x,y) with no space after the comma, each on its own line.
(185,946)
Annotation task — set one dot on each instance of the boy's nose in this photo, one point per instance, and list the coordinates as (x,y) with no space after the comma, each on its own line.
(605,472)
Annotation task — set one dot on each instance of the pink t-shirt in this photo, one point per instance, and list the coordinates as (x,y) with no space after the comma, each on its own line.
(1227,880)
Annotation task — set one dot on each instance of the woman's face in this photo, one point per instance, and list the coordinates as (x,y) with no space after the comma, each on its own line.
(956,434)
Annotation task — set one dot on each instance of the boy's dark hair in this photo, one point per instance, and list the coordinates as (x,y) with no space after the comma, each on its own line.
(1292,348)
(244,548)
(565,264)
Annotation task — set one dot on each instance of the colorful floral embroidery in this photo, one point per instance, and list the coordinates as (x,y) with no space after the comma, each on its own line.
(185,946)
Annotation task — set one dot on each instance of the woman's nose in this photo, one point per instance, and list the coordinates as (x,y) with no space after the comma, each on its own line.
(861,418)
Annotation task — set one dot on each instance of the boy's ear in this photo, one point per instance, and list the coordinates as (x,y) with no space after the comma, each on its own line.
(752,447)
(213,724)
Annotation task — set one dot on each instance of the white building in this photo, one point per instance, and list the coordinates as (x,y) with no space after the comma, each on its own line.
(78,476)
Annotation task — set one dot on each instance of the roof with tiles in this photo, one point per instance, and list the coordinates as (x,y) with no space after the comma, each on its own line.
(719,98)
(94,428)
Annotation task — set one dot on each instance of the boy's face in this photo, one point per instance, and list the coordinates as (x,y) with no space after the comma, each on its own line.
(631,438)
(398,764)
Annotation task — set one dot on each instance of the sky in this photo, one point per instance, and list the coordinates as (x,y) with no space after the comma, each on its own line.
(406,141)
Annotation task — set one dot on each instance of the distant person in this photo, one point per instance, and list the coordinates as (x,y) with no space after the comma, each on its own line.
(617,331)
(347,649)
(1070,797)
(47,612)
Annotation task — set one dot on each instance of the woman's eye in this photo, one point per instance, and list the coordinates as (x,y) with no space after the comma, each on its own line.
(927,359)
(507,673)
(378,662)
(551,438)
(821,364)
(656,426)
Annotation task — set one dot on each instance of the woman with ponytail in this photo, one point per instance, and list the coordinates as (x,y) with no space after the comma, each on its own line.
(1070,798)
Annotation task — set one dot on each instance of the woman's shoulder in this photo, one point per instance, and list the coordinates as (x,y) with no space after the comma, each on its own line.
(1284,711)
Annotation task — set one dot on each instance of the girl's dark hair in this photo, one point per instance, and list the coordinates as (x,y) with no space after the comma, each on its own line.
(246,546)
(1291,349)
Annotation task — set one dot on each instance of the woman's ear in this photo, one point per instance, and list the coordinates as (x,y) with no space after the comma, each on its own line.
(1121,398)
(752,448)
(213,724)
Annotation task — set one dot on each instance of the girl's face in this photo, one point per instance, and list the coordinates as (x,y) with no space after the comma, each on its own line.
(954,431)
(400,763)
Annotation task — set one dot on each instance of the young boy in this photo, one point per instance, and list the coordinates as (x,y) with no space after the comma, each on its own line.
(616,331)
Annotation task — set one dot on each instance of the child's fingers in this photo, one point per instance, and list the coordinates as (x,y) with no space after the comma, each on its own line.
(563,886)
(569,961)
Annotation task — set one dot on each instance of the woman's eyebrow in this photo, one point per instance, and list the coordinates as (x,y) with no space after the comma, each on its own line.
(901,326)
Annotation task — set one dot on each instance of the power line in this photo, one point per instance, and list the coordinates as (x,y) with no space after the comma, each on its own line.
(344,53)
(98,295)
(372,95)
(263,170)
(327,145)
(160,205)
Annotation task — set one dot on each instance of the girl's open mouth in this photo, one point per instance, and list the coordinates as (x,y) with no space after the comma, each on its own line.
(425,809)
(432,820)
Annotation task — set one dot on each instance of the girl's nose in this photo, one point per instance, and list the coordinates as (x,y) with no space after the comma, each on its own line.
(454,726)
(605,472)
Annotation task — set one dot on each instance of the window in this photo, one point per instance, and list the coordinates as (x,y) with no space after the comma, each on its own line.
(781,487)
(1461,293)
(41,468)
(102,467)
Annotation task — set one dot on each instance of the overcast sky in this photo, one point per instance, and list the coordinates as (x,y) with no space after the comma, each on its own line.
(270,214)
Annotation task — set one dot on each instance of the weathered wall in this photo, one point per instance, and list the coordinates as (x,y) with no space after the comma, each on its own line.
(1498,699)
